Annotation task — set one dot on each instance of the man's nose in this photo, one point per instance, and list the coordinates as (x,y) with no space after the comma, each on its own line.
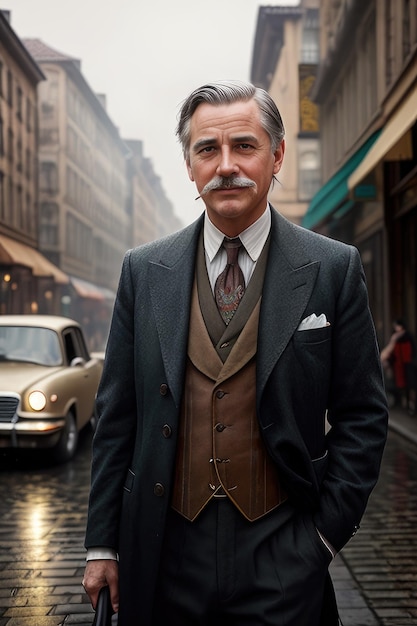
(227,164)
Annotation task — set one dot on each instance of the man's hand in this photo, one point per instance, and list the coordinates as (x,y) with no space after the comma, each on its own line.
(99,573)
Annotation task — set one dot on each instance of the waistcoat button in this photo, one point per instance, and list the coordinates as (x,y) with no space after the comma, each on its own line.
(159,489)
(220,394)
(220,427)
(166,431)
(163,389)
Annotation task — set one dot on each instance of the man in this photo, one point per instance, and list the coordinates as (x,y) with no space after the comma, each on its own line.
(213,480)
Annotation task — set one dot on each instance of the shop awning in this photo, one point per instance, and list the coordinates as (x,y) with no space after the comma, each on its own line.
(392,143)
(86,289)
(335,191)
(14,252)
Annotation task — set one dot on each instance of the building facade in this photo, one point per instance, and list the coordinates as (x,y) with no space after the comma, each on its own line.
(144,216)
(284,63)
(152,212)
(74,196)
(366,90)
(29,283)
(84,223)
(84,219)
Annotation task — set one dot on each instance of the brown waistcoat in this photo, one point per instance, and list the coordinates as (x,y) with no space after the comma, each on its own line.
(219,443)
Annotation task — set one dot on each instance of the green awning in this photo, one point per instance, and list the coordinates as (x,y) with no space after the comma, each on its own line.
(335,191)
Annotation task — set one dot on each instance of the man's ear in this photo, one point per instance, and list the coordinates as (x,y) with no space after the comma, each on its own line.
(279,156)
(189,170)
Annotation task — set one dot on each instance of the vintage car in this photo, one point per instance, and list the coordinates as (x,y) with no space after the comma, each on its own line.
(48,383)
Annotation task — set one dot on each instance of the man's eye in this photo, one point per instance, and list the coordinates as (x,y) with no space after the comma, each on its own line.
(206,150)
(245,146)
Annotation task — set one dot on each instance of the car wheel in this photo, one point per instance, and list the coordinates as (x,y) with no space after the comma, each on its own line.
(67,444)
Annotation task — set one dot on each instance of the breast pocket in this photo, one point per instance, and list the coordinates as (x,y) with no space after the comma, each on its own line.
(313,336)
(312,364)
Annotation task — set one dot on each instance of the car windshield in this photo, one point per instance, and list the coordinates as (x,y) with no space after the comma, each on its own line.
(29,344)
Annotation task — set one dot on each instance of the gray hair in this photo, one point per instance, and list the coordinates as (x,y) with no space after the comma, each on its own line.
(228,92)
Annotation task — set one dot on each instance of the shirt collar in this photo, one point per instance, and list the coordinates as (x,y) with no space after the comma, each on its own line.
(253,238)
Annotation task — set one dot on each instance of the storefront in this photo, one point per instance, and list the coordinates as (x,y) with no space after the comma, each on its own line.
(29,282)
(335,213)
(392,162)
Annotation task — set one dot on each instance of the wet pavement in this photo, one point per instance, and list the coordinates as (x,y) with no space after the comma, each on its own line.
(382,557)
(43,511)
(42,521)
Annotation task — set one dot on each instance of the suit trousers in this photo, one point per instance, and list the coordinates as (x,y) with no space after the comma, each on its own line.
(223,570)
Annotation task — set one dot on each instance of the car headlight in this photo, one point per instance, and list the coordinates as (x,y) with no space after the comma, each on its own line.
(37,400)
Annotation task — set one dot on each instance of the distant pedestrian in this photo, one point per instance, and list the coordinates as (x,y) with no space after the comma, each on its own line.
(395,357)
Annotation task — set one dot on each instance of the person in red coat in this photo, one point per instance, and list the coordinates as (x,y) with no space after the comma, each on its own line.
(399,352)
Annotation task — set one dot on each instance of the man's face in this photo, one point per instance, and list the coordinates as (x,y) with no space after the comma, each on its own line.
(230,149)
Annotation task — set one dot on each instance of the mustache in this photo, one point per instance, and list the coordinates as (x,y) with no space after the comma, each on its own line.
(226,182)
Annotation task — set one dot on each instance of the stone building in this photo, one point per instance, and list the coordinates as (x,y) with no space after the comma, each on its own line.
(366,90)
(84,221)
(29,283)
(83,217)
(284,63)
(152,212)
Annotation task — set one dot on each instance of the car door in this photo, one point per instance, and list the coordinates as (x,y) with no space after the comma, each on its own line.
(83,372)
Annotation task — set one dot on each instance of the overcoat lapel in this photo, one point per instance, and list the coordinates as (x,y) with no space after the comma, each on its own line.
(289,281)
(170,282)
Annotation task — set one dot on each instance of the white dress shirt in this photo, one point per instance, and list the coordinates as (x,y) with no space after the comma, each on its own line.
(253,240)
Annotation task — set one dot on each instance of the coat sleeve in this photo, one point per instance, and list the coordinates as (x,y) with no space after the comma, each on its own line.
(117,423)
(357,412)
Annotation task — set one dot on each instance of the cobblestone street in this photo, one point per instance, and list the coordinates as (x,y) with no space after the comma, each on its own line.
(383,555)
(43,510)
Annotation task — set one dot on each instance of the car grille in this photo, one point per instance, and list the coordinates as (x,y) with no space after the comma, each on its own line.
(8,407)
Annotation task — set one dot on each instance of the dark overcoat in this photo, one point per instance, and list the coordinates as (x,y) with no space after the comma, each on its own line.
(302,377)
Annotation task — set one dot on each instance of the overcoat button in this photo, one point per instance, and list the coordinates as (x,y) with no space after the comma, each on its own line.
(159,489)
(167,431)
(163,389)
(220,427)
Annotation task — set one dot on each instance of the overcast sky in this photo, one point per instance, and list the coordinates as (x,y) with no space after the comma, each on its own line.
(147,56)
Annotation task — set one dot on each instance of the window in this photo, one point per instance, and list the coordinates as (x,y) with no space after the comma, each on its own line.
(19,164)
(18,216)
(49,224)
(48,180)
(29,112)
(75,345)
(19,104)
(79,240)
(9,211)
(9,88)
(406,39)
(309,174)
(310,52)
(389,42)
(28,164)
(1,78)
(31,227)
(10,146)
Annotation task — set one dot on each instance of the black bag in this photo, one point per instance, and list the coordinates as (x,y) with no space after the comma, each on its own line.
(104,609)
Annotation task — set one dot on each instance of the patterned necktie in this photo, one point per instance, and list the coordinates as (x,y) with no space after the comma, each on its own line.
(230,284)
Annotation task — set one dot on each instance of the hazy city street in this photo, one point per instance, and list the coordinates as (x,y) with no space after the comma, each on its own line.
(43,509)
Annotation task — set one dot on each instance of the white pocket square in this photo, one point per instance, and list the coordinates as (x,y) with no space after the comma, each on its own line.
(312,321)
